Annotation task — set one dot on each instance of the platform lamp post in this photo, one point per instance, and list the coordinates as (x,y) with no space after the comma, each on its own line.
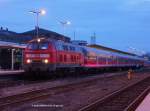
(12,59)
(64,25)
(37,13)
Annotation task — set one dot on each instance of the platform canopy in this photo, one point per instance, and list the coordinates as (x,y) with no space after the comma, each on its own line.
(12,45)
(110,49)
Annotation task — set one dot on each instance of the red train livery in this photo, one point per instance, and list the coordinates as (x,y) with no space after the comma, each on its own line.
(48,55)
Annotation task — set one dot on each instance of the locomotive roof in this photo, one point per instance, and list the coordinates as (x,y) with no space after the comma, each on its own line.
(36,40)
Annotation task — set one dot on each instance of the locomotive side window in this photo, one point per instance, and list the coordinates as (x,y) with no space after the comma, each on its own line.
(65,47)
(32,46)
(72,58)
(59,46)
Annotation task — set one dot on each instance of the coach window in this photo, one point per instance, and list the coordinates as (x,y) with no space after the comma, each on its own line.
(65,58)
(100,60)
(77,58)
(74,58)
(60,58)
(71,58)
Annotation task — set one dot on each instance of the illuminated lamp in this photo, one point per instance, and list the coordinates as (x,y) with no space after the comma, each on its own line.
(28,61)
(38,40)
(46,61)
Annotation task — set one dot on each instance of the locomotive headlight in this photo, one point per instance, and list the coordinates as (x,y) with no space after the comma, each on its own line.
(46,61)
(28,61)
(38,40)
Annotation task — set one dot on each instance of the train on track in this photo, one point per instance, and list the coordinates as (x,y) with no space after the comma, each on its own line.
(49,55)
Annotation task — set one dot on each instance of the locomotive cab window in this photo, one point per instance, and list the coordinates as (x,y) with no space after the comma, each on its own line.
(43,46)
(38,46)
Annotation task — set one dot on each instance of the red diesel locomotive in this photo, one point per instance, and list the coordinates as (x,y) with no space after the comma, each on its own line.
(48,55)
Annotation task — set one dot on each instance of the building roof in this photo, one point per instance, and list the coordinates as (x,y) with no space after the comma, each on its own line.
(47,34)
(12,45)
(10,36)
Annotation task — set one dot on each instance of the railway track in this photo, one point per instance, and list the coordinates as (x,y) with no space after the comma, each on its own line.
(16,80)
(10,81)
(40,94)
(125,99)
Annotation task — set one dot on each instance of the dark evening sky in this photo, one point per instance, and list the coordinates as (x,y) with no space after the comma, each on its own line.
(118,24)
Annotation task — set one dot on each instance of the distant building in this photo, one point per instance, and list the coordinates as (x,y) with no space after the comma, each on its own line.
(10,36)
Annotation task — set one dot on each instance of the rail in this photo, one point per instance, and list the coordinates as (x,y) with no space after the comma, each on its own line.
(121,99)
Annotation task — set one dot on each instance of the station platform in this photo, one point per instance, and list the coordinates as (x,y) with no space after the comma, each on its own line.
(9,72)
(145,105)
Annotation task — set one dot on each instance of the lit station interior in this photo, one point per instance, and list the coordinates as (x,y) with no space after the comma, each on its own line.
(11,57)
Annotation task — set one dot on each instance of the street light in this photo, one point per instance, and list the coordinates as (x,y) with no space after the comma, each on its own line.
(64,24)
(38,12)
